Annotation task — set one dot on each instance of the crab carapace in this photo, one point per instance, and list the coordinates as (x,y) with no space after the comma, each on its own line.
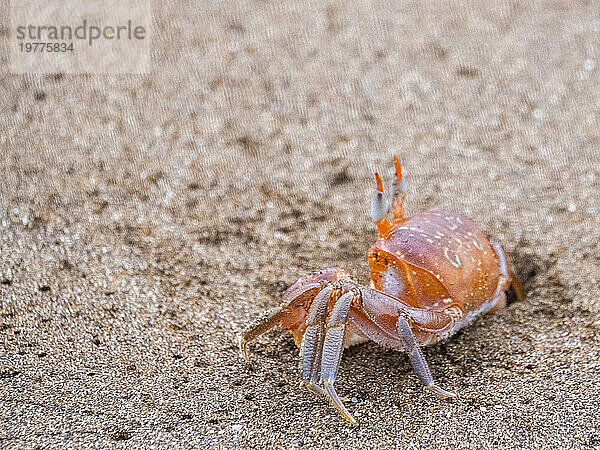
(431,274)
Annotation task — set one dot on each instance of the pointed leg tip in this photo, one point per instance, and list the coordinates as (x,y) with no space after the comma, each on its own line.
(338,403)
(243,347)
(439,392)
(350,418)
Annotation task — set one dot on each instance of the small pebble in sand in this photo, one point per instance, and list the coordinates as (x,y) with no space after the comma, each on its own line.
(589,64)
(236,427)
(572,207)
(538,114)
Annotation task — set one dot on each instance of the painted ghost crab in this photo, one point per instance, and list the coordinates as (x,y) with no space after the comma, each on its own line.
(431,274)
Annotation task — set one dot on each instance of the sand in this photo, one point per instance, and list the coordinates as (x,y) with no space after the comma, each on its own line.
(146,220)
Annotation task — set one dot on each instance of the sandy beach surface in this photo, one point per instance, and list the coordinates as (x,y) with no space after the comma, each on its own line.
(146,220)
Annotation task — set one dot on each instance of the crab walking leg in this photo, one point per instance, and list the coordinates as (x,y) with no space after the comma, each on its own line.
(507,271)
(417,360)
(517,286)
(332,350)
(300,295)
(262,325)
(312,341)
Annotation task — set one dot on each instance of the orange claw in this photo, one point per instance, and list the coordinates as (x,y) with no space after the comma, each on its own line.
(398,168)
(398,201)
(379,183)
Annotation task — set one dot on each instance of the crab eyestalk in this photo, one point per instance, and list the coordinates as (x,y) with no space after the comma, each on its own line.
(379,208)
(398,194)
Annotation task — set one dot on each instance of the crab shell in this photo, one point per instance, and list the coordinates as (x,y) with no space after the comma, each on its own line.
(435,260)
(431,275)
(441,261)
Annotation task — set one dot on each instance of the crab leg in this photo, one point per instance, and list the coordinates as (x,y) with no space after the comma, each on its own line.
(332,350)
(260,326)
(417,360)
(312,341)
(508,272)
(300,296)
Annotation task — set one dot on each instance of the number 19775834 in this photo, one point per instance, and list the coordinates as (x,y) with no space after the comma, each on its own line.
(29,47)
